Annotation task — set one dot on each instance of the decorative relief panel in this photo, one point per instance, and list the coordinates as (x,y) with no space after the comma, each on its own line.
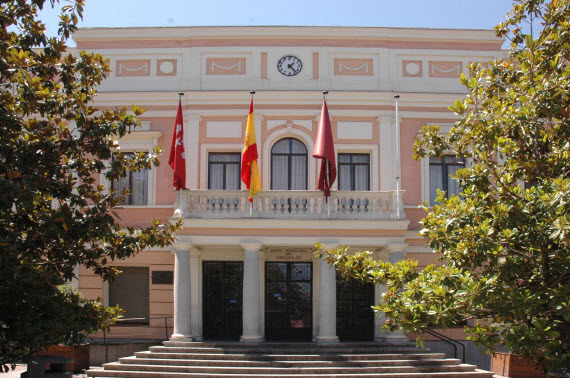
(166,67)
(445,69)
(127,68)
(225,66)
(354,130)
(224,129)
(412,68)
(271,123)
(353,67)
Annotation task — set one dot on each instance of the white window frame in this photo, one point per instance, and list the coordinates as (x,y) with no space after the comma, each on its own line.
(444,130)
(371,149)
(139,141)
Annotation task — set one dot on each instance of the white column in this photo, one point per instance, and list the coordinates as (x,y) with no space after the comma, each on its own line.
(251,294)
(196,308)
(396,254)
(327,302)
(182,303)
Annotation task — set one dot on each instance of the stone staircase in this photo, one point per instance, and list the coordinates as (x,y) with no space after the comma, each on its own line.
(226,359)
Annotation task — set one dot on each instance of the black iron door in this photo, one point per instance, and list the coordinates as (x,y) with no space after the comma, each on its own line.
(288,301)
(354,315)
(222,300)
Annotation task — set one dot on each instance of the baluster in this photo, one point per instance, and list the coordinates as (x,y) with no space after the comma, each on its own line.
(366,203)
(357,208)
(267,204)
(319,206)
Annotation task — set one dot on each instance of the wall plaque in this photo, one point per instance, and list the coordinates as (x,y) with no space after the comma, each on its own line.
(289,253)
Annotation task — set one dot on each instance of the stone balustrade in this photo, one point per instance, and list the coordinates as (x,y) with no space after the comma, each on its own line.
(293,204)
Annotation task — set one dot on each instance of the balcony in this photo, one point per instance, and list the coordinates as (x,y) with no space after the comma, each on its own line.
(282,204)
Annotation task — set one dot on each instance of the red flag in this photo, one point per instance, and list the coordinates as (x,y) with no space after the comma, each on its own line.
(324,150)
(177,159)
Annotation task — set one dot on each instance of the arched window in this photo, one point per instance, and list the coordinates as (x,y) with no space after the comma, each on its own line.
(289,165)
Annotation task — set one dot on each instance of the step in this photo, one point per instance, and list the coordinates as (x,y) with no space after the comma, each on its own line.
(330,370)
(357,344)
(278,363)
(293,350)
(148,374)
(287,357)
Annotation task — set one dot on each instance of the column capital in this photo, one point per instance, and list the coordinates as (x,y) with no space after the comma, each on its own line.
(251,246)
(188,247)
(385,118)
(396,247)
(330,245)
(192,117)
(195,252)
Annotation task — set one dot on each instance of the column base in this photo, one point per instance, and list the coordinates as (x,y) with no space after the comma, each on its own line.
(180,337)
(251,339)
(396,338)
(327,339)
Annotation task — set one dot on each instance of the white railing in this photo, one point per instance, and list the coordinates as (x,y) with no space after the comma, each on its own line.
(295,204)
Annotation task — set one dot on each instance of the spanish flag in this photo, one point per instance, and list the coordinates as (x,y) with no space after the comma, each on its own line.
(249,170)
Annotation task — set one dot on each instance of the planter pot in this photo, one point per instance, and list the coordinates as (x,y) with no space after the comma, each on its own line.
(514,366)
(79,355)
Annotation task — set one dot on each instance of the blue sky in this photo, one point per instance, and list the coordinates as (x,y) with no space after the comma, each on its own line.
(472,14)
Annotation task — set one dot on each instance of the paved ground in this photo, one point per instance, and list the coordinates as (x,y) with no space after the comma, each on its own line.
(22,368)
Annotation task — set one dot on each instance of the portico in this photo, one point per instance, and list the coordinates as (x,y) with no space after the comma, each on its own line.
(285,292)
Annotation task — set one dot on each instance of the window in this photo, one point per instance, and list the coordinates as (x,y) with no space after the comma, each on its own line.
(132,280)
(353,172)
(289,165)
(224,170)
(440,172)
(136,183)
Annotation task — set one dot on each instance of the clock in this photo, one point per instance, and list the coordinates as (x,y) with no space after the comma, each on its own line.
(289,65)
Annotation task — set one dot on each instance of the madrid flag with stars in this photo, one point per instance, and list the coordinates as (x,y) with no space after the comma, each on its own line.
(177,156)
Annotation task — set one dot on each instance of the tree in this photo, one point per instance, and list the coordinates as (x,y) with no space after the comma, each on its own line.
(505,242)
(53,215)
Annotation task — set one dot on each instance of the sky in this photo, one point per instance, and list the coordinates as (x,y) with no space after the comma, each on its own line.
(464,14)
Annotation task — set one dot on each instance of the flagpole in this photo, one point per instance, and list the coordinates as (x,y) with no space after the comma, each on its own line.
(251,203)
(325,93)
(398,168)
(179,194)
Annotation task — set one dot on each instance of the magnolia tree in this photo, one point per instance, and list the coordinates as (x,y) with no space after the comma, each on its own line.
(53,215)
(505,242)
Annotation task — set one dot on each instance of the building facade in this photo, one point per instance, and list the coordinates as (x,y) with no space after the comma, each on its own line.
(247,272)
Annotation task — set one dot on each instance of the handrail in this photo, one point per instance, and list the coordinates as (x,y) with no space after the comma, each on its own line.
(125,319)
(448,340)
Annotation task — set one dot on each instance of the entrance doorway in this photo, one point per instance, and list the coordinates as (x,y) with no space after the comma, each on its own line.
(288,301)
(222,300)
(354,315)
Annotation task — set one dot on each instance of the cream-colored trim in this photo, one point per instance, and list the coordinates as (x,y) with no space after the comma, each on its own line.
(285,32)
(359,243)
(206,148)
(372,149)
(285,133)
(216,223)
(425,185)
(141,141)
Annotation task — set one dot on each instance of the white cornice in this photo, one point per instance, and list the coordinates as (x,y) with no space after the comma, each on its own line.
(294,98)
(285,224)
(269,241)
(285,32)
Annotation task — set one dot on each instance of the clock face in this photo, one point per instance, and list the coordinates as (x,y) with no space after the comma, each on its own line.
(289,65)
